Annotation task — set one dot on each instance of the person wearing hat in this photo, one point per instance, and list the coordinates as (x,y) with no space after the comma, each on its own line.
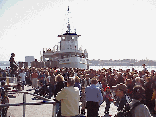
(120,91)
(108,99)
(141,110)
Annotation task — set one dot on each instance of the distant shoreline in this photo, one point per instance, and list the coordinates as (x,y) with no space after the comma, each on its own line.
(124,62)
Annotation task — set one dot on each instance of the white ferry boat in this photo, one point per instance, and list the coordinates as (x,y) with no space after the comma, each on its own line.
(67,54)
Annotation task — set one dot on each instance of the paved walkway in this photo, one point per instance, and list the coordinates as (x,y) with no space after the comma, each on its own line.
(44,110)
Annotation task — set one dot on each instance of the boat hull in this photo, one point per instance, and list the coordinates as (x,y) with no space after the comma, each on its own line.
(73,62)
(73,65)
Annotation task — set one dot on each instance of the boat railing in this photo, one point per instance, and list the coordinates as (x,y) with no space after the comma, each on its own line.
(45,101)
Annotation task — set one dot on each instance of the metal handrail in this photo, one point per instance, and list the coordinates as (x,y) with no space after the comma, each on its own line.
(31,103)
(37,103)
(8,79)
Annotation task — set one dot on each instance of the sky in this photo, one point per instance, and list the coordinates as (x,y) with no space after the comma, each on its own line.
(109,29)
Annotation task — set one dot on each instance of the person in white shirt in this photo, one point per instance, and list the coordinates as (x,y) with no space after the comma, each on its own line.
(22,78)
(69,97)
(99,85)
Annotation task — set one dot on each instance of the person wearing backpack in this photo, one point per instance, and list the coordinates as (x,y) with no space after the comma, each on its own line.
(140,110)
(120,91)
(135,108)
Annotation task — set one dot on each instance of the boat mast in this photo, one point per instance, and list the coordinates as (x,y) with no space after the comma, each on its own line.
(68,22)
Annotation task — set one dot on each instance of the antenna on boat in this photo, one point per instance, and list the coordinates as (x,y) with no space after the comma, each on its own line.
(68,14)
(68,22)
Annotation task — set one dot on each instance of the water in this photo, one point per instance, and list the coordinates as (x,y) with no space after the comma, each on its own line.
(139,68)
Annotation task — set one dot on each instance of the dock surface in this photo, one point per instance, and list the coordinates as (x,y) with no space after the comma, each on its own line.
(44,110)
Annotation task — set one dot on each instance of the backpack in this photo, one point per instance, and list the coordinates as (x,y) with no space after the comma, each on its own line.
(127,110)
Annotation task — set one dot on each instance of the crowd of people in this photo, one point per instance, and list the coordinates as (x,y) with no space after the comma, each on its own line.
(92,88)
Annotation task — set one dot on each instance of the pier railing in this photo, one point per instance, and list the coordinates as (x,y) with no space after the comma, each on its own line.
(9,80)
(45,101)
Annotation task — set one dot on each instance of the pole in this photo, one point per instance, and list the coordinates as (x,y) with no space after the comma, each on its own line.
(24,101)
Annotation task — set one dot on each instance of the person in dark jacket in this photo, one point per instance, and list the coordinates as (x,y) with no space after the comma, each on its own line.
(130,86)
(120,91)
(148,92)
(112,81)
(59,85)
(4,98)
(13,64)
(51,83)
(120,79)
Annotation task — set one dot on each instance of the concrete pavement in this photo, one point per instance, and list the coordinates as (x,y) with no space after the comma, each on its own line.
(44,110)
